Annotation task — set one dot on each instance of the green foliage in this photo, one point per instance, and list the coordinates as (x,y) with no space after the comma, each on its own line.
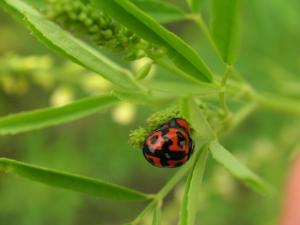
(139,22)
(58,39)
(221,155)
(41,118)
(197,119)
(225,28)
(156,220)
(188,209)
(100,29)
(70,181)
(89,32)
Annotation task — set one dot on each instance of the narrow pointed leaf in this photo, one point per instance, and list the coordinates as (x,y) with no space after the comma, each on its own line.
(133,97)
(238,169)
(225,28)
(189,207)
(42,118)
(146,27)
(64,43)
(70,181)
(181,88)
(192,112)
(156,219)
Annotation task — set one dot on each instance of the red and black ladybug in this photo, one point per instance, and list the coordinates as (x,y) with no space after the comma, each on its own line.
(169,145)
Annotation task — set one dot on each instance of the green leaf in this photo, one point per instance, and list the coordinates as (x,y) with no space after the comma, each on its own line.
(191,111)
(163,12)
(239,170)
(146,27)
(70,181)
(189,206)
(63,42)
(181,88)
(41,118)
(156,219)
(133,96)
(195,5)
(225,28)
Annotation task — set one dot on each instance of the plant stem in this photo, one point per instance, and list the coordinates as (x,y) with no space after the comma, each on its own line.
(222,93)
(279,104)
(240,116)
(166,189)
(174,69)
(197,18)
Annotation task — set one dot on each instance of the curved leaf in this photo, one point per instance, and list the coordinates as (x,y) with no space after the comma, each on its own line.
(70,181)
(188,208)
(224,28)
(63,42)
(41,118)
(239,170)
(146,27)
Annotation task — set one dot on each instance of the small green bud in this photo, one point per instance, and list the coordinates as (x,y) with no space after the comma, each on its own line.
(82,16)
(137,137)
(144,71)
(161,117)
(107,34)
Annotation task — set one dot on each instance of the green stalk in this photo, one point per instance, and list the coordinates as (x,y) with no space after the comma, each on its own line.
(198,20)
(278,104)
(164,191)
(180,73)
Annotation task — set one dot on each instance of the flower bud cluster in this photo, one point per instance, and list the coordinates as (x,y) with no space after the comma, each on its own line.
(93,25)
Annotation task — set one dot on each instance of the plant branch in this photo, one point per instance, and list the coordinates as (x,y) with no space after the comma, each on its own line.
(174,69)
(278,104)
(222,93)
(167,188)
(198,20)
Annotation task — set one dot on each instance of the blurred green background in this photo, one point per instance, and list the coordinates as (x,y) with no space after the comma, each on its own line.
(31,76)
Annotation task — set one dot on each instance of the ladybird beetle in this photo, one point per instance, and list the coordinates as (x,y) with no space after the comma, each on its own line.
(170,145)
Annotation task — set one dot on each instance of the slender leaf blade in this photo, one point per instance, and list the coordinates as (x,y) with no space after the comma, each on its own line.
(225,28)
(70,181)
(191,111)
(181,88)
(156,219)
(64,43)
(188,208)
(51,116)
(146,27)
(163,12)
(195,5)
(239,170)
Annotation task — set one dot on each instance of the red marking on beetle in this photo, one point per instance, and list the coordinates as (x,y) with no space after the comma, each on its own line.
(184,124)
(172,135)
(159,142)
(155,160)
(173,163)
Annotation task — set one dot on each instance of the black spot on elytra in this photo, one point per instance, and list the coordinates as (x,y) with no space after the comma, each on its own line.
(181,139)
(154,139)
(165,154)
